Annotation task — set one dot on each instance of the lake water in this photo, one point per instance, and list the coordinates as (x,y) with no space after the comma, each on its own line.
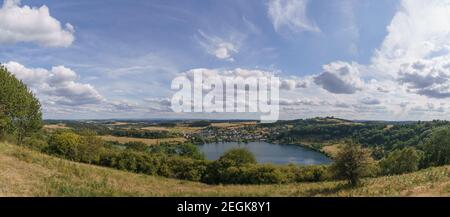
(268,153)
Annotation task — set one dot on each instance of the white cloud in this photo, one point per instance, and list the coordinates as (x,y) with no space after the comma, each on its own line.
(419,30)
(289,83)
(290,14)
(370,101)
(340,77)
(427,77)
(29,24)
(220,48)
(56,86)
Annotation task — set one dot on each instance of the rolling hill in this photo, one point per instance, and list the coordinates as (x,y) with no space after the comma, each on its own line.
(24,172)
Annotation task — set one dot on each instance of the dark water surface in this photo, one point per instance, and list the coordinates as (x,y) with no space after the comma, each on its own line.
(268,153)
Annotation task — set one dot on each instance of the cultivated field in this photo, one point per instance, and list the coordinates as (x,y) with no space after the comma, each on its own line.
(146,141)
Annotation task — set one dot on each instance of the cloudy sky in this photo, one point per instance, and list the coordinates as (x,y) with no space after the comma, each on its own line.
(355,59)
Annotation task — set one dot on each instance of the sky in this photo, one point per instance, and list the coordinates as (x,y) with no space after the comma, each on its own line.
(354,59)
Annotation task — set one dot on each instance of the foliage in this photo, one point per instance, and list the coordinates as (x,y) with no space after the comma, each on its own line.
(352,163)
(238,157)
(310,173)
(37,142)
(437,148)
(400,161)
(20,110)
(200,124)
(181,149)
(74,147)
(134,133)
(136,146)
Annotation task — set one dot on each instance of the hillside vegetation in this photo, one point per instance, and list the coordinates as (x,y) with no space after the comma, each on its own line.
(24,172)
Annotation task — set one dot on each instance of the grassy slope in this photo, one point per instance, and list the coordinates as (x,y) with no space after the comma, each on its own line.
(27,173)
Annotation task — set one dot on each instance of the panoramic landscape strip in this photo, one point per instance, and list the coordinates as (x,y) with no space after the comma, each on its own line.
(237,107)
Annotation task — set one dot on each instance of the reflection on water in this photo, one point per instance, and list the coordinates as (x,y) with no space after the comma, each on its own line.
(268,153)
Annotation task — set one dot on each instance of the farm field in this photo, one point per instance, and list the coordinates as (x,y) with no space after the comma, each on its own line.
(146,141)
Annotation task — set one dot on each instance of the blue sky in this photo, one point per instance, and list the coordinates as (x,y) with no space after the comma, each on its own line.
(110,29)
(122,56)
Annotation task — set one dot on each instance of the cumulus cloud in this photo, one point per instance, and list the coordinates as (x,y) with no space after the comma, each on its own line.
(293,83)
(158,104)
(220,48)
(286,83)
(370,101)
(340,78)
(290,14)
(427,77)
(29,24)
(419,30)
(57,86)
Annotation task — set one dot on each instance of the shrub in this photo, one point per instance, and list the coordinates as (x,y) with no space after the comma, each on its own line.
(36,142)
(263,174)
(186,168)
(310,173)
(190,150)
(154,164)
(69,145)
(136,146)
(65,144)
(400,161)
(180,149)
(90,148)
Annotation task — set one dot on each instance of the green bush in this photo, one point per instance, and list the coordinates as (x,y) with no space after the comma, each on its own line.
(437,148)
(65,144)
(262,174)
(400,161)
(186,168)
(36,142)
(69,145)
(178,149)
(136,146)
(154,164)
(219,172)
(310,173)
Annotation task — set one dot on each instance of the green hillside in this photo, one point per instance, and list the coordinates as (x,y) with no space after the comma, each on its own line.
(28,173)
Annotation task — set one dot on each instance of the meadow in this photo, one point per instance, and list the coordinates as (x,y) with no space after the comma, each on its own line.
(25,172)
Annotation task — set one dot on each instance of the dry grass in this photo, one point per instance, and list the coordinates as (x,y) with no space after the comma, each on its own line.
(233,124)
(155,128)
(146,141)
(186,129)
(53,127)
(119,124)
(28,173)
(332,150)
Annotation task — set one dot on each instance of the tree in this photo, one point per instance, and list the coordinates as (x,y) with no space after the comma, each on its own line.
(219,170)
(136,146)
(238,157)
(91,147)
(352,163)
(437,148)
(400,161)
(20,111)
